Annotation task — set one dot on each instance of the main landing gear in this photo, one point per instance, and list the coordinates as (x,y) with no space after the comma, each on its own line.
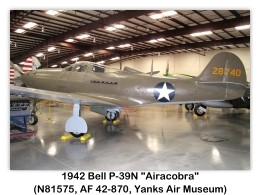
(200,110)
(189,107)
(112,116)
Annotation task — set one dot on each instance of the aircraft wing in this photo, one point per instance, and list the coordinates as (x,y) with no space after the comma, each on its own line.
(59,96)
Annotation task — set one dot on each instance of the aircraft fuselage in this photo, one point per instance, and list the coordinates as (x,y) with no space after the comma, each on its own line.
(124,88)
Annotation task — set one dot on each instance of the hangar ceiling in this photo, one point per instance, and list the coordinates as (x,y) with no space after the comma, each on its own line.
(58,37)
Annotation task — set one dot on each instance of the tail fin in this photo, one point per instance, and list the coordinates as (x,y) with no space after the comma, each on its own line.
(224,67)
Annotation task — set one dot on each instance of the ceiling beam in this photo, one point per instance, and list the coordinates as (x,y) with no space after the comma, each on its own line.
(127,54)
(169,33)
(180,32)
(121,16)
(18,15)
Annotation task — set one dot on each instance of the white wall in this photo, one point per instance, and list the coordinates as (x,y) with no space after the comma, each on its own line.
(186,63)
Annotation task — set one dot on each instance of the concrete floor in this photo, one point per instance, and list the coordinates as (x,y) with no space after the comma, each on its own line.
(152,138)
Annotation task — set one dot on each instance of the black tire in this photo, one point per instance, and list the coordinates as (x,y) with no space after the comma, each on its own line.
(112,118)
(198,111)
(33,119)
(189,106)
(117,114)
(77,135)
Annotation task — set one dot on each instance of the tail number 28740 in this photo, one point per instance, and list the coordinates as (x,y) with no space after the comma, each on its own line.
(226,72)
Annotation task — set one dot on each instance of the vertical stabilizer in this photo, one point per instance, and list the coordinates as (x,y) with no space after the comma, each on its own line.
(224,67)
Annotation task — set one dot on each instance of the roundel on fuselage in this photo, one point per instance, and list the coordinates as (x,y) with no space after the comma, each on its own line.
(164,92)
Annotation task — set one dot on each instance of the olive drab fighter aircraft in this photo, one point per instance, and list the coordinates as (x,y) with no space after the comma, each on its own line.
(107,90)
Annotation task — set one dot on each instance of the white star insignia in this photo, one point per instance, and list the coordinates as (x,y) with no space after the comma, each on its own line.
(164,92)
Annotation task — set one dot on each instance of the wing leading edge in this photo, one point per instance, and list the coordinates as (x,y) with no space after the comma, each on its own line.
(58,96)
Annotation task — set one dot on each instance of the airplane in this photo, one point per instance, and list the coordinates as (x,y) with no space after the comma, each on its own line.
(106,90)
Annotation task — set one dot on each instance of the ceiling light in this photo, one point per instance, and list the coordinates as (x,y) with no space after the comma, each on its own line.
(65,62)
(156,16)
(50,49)
(163,14)
(55,65)
(19,30)
(82,36)
(169,13)
(110,28)
(52,12)
(111,47)
(88,54)
(244,27)
(115,58)
(30,25)
(124,45)
(201,33)
(70,40)
(161,39)
(153,41)
(119,26)
(39,55)
(101,62)
(75,59)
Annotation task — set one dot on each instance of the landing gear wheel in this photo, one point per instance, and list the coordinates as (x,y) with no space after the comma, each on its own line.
(77,135)
(200,110)
(117,114)
(189,106)
(33,119)
(111,116)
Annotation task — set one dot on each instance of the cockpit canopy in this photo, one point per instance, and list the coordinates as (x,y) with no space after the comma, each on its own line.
(85,66)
